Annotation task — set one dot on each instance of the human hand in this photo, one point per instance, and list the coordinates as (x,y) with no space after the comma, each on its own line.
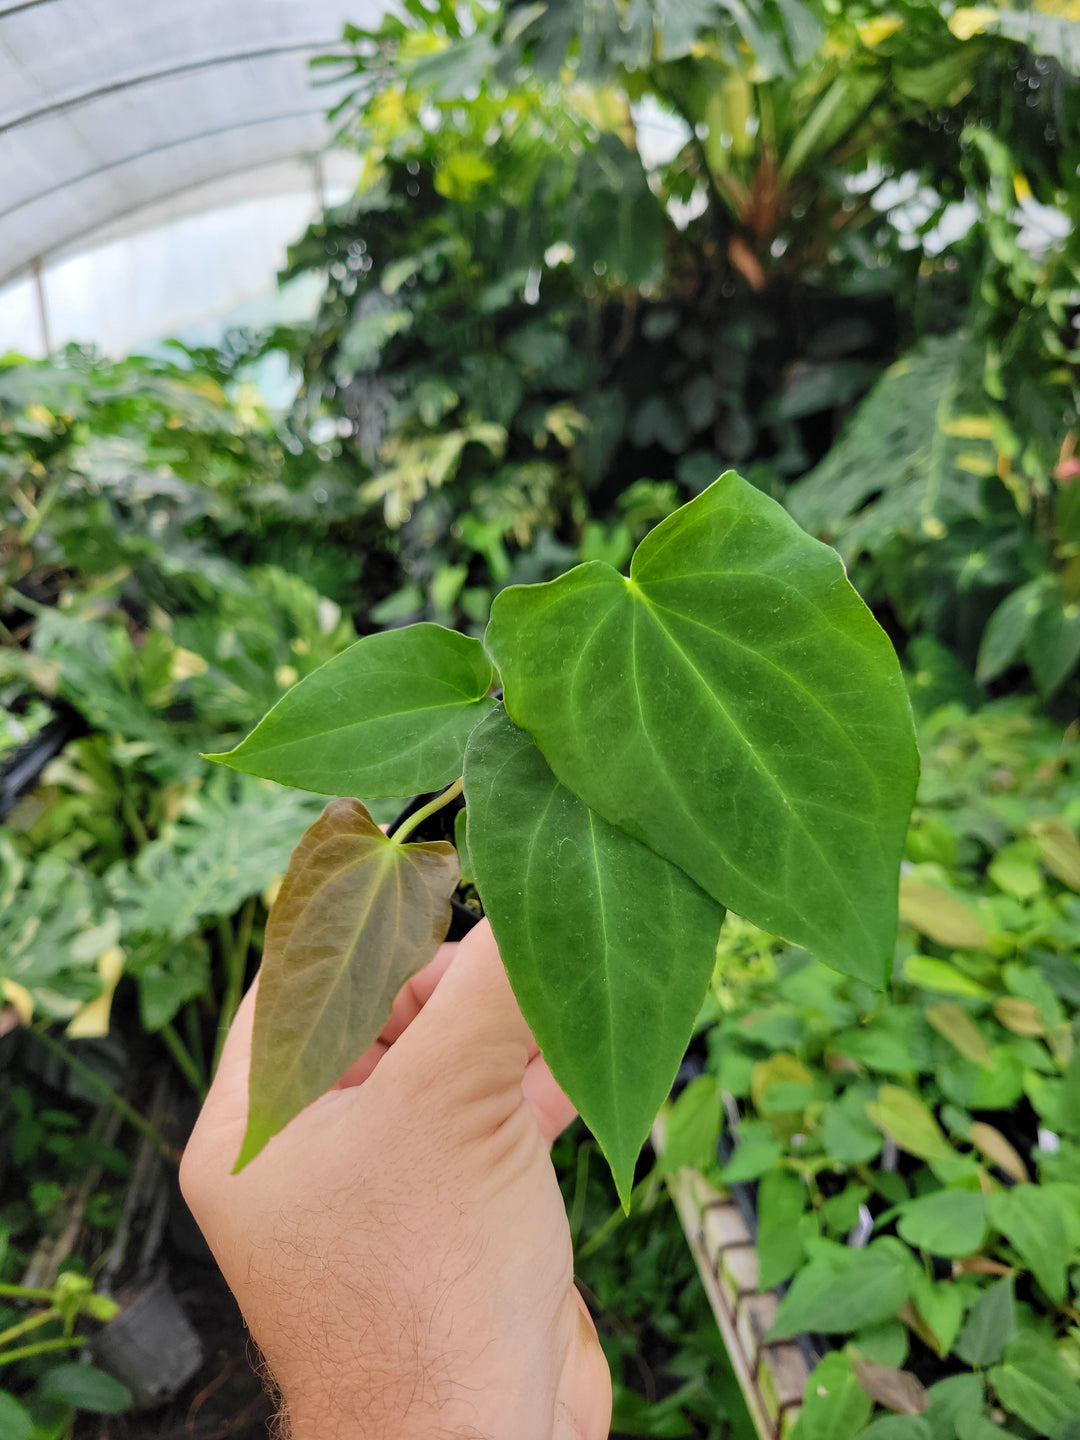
(400,1250)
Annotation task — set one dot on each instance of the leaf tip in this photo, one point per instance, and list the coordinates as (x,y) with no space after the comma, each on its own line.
(622,1172)
(256,1135)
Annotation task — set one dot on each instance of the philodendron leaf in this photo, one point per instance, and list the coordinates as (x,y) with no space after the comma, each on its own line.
(946,1222)
(388,716)
(734,706)
(1034,1383)
(990,1326)
(608,947)
(841,1289)
(835,1404)
(1033,1220)
(356,915)
(908,1121)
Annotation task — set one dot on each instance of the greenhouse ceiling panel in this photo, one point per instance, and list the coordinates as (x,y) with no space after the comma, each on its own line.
(108,107)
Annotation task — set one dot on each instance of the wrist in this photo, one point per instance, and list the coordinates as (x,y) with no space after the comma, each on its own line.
(320,1423)
(406,1408)
(417,1409)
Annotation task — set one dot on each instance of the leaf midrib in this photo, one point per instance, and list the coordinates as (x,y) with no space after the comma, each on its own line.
(763,769)
(455,705)
(373,891)
(726,638)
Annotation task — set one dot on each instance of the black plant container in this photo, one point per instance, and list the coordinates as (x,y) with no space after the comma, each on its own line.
(150,1346)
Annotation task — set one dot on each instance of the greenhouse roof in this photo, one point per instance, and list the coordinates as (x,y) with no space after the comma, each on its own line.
(111,110)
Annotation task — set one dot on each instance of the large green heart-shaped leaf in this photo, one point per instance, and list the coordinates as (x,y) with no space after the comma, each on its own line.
(388,716)
(609,947)
(355,917)
(734,706)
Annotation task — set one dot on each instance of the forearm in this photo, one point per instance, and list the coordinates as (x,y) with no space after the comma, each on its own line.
(414,1407)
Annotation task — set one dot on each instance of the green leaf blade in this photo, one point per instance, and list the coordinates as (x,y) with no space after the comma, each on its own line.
(15,1421)
(1032,1219)
(1034,1383)
(85,1388)
(791,803)
(990,1326)
(840,1290)
(947,1222)
(907,1120)
(388,716)
(835,1404)
(1007,631)
(608,947)
(355,917)
(782,1198)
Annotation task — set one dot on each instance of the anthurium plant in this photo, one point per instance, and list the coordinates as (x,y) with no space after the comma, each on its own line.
(726,726)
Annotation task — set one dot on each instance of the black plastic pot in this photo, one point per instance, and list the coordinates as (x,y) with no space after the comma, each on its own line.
(151,1346)
(22,767)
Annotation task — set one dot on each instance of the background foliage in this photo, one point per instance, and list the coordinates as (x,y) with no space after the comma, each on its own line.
(600,252)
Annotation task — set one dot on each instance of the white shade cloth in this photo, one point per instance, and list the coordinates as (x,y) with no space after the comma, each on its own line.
(122,116)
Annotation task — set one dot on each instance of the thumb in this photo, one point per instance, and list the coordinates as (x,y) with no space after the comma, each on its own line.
(470,1035)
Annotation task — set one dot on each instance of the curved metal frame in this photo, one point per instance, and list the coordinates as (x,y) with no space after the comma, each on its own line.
(73,102)
(23,5)
(156,150)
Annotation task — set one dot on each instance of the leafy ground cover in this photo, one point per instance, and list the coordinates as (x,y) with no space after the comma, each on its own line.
(915,1155)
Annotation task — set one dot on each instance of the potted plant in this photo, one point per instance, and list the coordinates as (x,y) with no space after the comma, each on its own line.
(727,726)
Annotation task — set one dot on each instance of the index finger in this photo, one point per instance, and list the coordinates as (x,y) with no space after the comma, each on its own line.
(410,1000)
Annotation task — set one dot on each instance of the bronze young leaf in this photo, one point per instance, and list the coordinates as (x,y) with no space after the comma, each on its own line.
(356,915)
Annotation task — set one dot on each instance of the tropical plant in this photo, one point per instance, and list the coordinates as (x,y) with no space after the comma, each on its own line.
(50,1329)
(726,727)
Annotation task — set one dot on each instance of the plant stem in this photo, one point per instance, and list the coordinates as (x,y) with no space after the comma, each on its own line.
(243,939)
(234,951)
(22,1292)
(134,820)
(194,1035)
(41,1347)
(102,1086)
(24,602)
(184,1059)
(32,1322)
(603,1233)
(581,1187)
(48,498)
(408,826)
